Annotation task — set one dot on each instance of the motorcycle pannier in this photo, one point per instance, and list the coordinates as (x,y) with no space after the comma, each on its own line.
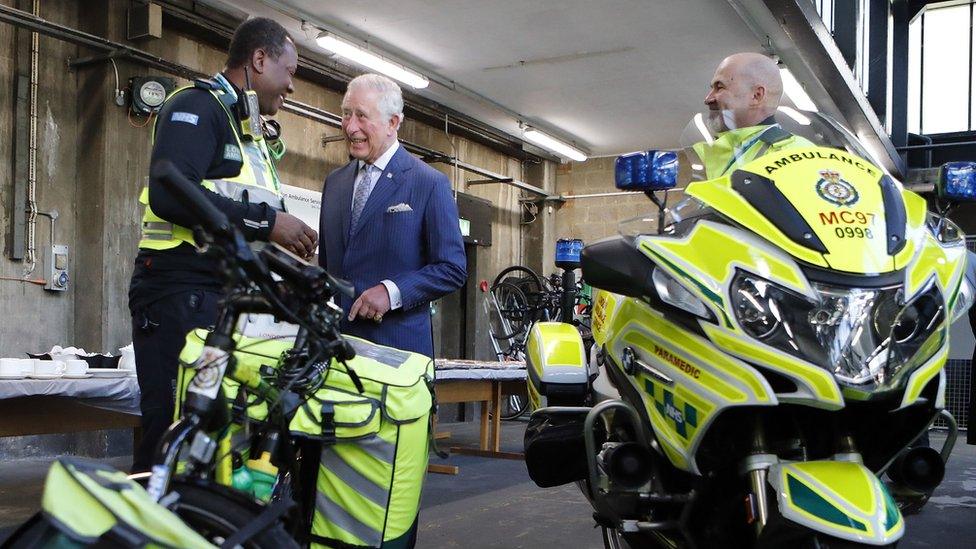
(86,504)
(556,364)
(374,447)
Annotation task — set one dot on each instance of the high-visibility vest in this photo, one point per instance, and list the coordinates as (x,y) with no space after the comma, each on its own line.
(737,147)
(257,183)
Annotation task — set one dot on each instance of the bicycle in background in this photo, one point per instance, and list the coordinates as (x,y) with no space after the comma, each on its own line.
(518,298)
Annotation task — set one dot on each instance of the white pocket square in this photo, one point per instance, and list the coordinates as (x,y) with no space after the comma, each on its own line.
(401,207)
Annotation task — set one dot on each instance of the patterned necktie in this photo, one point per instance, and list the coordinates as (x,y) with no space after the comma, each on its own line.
(362,194)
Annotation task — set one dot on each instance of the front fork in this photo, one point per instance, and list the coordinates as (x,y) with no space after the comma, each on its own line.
(756,467)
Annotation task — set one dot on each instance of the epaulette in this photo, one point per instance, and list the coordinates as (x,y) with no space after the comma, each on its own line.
(206,84)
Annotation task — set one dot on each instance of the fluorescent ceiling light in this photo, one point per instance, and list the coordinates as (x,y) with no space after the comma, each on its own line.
(800,118)
(557,147)
(795,91)
(370,60)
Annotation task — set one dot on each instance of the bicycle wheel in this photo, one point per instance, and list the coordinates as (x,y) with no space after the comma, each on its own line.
(525,278)
(216,513)
(508,310)
(514,406)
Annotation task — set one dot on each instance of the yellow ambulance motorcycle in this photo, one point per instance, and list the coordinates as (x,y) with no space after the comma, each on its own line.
(765,350)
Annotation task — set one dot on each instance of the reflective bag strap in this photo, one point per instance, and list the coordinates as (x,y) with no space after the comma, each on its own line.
(328,423)
(431,435)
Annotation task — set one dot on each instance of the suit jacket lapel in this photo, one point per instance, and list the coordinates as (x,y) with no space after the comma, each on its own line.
(385,185)
(346,182)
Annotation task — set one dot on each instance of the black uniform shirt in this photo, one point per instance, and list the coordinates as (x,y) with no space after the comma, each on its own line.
(194,132)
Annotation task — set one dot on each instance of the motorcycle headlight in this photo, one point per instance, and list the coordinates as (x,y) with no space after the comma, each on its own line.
(860,335)
(759,306)
(674,293)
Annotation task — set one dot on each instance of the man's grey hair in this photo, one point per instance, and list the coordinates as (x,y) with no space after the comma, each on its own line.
(390,102)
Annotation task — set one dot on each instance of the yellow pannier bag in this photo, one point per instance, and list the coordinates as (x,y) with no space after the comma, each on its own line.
(374,443)
(87,503)
(374,447)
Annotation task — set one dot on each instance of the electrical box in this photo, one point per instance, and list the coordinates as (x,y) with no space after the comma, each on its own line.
(57,268)
(148,93)
(145,21)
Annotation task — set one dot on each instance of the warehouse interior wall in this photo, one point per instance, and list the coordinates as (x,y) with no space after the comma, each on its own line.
(92,161)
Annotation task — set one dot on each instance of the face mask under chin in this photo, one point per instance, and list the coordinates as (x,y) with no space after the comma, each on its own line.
(721,121)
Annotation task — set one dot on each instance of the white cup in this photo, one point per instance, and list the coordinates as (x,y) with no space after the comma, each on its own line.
(10,367)
(75,367)
(48,367)
(128,359)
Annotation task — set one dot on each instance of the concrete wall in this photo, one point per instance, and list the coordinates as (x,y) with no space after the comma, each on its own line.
(93,162)
(31,318)
(591,219)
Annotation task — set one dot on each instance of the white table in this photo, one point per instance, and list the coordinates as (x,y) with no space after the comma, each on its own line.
(38,407)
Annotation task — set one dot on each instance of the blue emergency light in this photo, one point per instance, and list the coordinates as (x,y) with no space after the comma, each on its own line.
(957,181)
(568,253)
(646,171)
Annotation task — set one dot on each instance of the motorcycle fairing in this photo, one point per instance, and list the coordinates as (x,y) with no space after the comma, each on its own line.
(706,260)
(823,206)
(604,306)
(945,263)
(841,499)
(683,380)
(555,357)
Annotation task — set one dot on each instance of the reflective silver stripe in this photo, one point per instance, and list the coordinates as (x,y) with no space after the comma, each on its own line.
(354,479)
(378,449)
(255,194)
(335,514)
(256,160)
(255,224)
(157,226)
(153,236)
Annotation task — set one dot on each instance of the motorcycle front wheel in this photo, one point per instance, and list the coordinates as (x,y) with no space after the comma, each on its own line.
(216,515)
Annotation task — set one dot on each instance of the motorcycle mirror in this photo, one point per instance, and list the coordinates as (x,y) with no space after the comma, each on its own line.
(646,171)
(957,182)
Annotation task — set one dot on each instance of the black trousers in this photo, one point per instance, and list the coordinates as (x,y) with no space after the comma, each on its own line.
(158,333)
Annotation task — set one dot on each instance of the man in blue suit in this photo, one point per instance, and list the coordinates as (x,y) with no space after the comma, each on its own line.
(389,225)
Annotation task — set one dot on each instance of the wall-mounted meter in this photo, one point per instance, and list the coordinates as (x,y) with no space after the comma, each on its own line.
(57,268)
(149,92)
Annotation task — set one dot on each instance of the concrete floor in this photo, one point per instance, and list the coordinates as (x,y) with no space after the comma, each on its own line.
(492,503)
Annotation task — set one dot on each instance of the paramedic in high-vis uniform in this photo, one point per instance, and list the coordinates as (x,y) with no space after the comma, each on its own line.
(213,132)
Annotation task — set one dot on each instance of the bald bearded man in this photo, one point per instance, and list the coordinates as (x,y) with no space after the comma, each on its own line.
(742,100)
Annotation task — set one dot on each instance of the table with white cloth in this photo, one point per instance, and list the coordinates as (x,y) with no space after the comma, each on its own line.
(459,381)
(40,407)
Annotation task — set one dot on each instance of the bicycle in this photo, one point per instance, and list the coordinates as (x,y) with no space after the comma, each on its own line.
(517,298)
(194,472)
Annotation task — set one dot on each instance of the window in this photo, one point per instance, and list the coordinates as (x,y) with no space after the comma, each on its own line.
(826,10)
(940,70)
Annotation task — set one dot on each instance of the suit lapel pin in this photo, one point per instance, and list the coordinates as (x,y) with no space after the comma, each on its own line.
(389,175)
